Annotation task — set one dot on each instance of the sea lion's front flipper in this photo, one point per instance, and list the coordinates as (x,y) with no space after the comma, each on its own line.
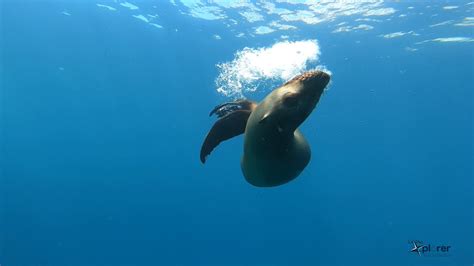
(232,122)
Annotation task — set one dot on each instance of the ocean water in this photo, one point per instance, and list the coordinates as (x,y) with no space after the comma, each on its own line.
(104,107)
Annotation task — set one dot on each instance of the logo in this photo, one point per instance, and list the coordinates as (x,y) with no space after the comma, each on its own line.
(422,249)
(416,248)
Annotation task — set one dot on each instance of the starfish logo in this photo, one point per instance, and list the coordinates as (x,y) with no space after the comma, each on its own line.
(416,248)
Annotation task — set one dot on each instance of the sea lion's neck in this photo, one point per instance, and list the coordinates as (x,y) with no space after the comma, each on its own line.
(276,133)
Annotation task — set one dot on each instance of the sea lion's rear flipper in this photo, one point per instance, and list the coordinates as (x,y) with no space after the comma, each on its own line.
(233,119)
(229,107)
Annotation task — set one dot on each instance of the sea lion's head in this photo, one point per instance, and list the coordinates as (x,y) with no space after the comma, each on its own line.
(296,99)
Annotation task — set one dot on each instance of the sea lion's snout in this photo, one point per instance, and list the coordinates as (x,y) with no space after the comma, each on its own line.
(317,80)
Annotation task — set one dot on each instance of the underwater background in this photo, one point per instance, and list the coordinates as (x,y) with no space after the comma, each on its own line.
(104,107)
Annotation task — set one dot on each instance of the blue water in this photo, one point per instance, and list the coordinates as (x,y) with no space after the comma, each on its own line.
(103,117)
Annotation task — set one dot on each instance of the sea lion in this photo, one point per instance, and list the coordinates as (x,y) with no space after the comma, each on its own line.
(275,151)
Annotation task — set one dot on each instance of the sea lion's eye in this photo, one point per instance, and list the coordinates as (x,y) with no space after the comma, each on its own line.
(290,101)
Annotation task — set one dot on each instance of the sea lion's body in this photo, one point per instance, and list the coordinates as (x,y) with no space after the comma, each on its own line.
(275,151)
(271,158)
